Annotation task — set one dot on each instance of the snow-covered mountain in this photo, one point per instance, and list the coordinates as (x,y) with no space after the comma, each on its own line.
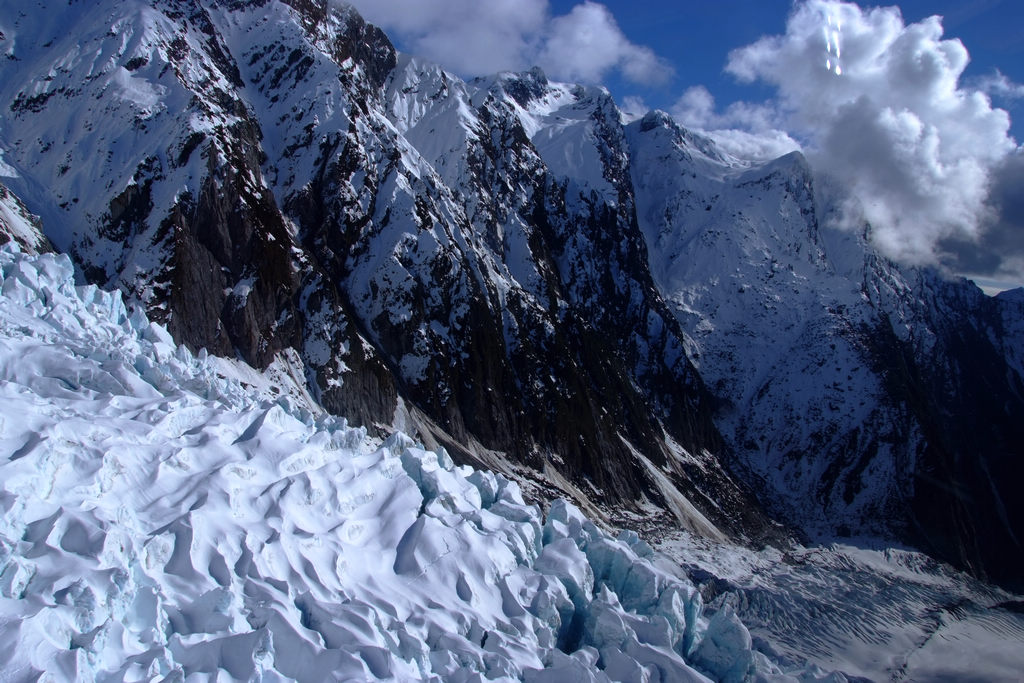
(859,396)
(620,313)
(274,175)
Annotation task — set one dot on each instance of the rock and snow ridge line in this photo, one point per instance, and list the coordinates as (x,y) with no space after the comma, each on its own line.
(273,175)
(463,223)
(163,519)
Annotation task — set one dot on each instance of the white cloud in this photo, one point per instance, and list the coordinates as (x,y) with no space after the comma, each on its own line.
(999,85)
(760,146)
(586,43)
(466,36)
(915,147)
(695,108)
(745,130)
(633,107)
(474,37)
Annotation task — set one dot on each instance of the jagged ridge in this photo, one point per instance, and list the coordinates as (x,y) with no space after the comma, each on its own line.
(504,265)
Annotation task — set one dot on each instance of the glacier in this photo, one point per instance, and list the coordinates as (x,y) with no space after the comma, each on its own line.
(170,516)
(180,516)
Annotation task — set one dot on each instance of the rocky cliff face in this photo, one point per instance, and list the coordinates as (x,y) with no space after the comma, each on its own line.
(275,175)
(624,312)
(943,353)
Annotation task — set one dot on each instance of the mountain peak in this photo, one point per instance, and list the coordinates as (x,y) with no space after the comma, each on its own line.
(661,125)
(522,86)
(656,118)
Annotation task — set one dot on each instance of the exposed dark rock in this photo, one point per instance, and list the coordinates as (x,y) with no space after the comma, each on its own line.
(965,506)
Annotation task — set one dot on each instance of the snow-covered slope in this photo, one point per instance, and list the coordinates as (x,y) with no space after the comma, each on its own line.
(859,396)
(172,515)
(738,252)
(19,225)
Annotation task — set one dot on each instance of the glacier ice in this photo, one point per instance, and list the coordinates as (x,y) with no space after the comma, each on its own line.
(170,515)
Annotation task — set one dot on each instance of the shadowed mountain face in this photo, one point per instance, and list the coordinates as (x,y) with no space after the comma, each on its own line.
(859,397)
(625,312)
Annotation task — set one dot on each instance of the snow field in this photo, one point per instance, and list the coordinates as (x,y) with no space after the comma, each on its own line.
(164,520)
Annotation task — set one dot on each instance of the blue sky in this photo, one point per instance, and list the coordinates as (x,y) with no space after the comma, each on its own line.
(935,105)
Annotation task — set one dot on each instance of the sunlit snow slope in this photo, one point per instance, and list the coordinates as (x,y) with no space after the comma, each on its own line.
(169,515)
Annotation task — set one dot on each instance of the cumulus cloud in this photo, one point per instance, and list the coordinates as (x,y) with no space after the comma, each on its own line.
(879,105)
(467,36)
(586,43)
(746,130)
(695,108)
(476,38)
(998,258)
(633,107)
(999,85)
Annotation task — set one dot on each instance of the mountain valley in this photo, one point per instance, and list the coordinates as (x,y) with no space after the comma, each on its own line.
(609,310)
